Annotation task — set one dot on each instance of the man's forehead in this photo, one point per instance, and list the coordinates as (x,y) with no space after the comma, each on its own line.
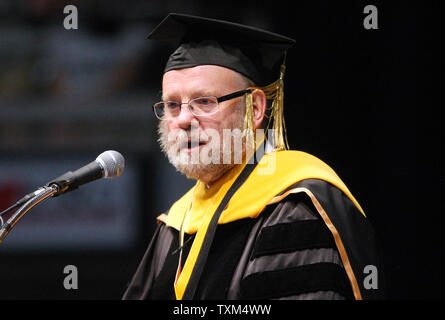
(206,79)
(205,71)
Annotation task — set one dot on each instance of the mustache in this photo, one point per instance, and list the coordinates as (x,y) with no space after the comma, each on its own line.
(181,136)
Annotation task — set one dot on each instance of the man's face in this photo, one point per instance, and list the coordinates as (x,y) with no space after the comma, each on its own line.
(187,139)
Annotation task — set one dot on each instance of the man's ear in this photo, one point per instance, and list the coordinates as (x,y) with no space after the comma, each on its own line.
(259,107)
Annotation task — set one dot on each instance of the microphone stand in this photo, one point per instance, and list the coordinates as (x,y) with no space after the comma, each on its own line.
(45,193)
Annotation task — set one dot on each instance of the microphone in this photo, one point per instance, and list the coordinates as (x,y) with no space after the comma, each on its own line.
(109,164)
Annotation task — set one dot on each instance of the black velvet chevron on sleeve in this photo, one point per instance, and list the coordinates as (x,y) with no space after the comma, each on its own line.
(296,280)
(288,237)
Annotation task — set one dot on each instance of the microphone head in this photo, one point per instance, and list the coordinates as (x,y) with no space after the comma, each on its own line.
(112,163)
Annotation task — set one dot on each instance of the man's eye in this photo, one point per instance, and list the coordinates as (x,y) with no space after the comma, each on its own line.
(204,101)
(172,104)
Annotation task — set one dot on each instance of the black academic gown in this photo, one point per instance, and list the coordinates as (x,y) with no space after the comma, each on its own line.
(308,245)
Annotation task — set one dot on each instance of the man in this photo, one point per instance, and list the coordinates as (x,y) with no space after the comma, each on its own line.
(261,222)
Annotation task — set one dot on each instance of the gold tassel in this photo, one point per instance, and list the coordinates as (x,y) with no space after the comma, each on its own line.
(248,132)
(278,115)
(248,118)
(274,92)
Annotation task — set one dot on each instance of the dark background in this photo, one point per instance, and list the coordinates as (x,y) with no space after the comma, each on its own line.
(352,98)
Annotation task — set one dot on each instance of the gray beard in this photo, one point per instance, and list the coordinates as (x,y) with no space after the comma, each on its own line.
(191,165)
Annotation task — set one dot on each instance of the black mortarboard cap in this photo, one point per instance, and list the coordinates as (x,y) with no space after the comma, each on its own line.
(255,53)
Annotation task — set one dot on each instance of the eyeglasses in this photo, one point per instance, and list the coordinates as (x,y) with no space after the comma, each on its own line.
(201,106)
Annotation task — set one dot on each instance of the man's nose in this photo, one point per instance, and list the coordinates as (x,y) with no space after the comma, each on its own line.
(186,119)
